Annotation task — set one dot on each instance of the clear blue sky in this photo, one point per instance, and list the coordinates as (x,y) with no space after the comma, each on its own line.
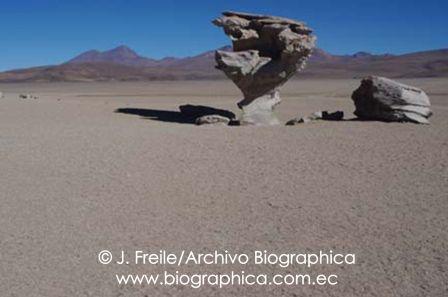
(50,31)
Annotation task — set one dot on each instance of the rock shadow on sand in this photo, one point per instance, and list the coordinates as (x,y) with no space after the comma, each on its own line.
(187,114)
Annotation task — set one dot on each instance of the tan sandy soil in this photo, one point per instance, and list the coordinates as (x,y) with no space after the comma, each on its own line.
(77,177)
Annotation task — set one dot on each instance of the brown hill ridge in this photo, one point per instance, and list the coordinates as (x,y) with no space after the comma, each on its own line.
(119,55)
(123,64)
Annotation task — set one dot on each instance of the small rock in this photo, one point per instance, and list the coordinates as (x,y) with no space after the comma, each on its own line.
(1,95)
(382,99)
(332,116)
(318,115)
(304,120)
(27,96)
(213,119)
(235,123)
(291,122)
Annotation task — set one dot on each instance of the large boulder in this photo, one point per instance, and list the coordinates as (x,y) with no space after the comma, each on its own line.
(380,98)
(267,51)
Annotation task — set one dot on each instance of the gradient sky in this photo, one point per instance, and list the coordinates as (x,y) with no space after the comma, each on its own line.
(50,32)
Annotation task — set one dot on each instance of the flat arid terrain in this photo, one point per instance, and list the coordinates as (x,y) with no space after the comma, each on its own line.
(88,167)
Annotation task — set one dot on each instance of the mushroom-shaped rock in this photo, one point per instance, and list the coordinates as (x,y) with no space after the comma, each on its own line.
(267,51)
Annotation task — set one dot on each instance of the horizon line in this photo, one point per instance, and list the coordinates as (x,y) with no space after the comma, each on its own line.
(203,52)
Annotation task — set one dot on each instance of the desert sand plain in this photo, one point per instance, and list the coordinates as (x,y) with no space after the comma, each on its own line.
(78,177)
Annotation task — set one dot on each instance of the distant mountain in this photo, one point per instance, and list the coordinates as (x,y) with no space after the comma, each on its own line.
(362,55)
(120,55)
(421,64)
(124,64)
(321,56)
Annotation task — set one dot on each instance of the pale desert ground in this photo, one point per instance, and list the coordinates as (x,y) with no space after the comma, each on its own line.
(76,178)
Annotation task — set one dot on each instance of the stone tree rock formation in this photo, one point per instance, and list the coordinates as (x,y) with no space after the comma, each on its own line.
(267,51)
(380,98)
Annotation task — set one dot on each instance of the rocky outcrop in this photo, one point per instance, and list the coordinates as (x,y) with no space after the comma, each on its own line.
(318,115)
(380,98)
(267,51)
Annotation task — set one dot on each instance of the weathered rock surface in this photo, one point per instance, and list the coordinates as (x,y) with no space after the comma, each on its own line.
(267,51)
(213,119)
(380,98)
(260,110)
(1,95)
(318,115)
